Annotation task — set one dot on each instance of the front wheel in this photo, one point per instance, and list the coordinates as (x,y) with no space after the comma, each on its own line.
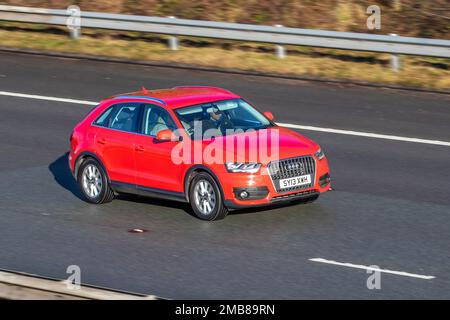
(206,199)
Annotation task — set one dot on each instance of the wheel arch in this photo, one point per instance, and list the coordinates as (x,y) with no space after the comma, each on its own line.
(190,174)
(85,155)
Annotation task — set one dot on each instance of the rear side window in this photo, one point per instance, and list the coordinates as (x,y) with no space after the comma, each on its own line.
(123,117)
(103,120)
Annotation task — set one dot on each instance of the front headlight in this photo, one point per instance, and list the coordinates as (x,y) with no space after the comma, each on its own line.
(319,154)
(243,167)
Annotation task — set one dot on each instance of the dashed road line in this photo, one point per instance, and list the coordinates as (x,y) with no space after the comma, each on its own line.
(370,268)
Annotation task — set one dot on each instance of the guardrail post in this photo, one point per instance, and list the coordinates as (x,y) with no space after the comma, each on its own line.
(75,34)
(280,50)
(395,59)
(73,22)
(173,41)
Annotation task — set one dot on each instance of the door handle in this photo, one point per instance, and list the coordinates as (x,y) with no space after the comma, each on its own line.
(101,140)
(139,148)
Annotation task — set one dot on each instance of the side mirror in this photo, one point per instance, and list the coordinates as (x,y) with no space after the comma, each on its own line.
(166,135)
(268,115)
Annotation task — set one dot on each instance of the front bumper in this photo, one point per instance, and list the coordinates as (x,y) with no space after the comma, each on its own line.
(261,191)
(230,204)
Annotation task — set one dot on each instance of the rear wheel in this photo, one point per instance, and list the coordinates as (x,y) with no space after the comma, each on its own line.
(93,182)
(206,198)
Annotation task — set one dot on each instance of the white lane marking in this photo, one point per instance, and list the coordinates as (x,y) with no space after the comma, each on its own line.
(287,125)
(358,266)
(366,134)
(32,96)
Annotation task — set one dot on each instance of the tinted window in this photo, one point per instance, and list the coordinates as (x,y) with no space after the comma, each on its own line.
(122,117)
(156,119)
(125,118)
(225,116)
(103,120)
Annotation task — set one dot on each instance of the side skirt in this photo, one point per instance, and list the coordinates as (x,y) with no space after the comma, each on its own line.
(122,187)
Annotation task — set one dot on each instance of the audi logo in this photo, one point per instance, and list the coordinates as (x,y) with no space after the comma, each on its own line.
(294,166)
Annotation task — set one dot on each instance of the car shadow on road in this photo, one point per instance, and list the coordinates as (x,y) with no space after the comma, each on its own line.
(262,209)
(62,175)
(155,202)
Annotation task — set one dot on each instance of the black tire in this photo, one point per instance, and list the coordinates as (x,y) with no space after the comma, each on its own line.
(219,211)
(105,194)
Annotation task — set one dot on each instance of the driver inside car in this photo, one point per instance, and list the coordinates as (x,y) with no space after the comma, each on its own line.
(217,120)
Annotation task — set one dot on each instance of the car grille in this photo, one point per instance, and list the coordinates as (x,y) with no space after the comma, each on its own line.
(289,168)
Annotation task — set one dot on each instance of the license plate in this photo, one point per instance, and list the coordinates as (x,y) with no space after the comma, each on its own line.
(295,181)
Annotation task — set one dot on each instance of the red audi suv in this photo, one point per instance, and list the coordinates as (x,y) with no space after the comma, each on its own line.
(202,145)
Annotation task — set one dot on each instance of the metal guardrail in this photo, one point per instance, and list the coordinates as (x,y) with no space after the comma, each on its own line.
(234,31)
(22,286)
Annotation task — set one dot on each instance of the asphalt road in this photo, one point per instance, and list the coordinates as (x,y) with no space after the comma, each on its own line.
(390,207)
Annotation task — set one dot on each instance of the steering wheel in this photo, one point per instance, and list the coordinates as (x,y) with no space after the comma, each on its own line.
(191,128)
(225,123)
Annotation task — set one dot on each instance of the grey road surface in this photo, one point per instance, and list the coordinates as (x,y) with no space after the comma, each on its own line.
(390,207)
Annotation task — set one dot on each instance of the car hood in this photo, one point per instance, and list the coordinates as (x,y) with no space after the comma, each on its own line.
(260,146)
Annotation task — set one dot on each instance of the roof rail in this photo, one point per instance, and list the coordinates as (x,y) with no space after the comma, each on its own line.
(142,97)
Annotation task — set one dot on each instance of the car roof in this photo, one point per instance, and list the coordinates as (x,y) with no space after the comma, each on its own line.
(180,96)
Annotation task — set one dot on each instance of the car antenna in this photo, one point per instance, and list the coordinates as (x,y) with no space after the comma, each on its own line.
(144,90)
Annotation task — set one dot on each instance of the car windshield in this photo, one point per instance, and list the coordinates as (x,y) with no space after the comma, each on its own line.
(225,117)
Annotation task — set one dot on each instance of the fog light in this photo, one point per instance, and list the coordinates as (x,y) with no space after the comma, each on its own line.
(250,193)
(244,194)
